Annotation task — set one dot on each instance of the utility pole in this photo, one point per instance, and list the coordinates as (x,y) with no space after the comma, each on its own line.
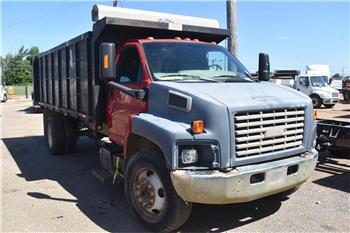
(231,14)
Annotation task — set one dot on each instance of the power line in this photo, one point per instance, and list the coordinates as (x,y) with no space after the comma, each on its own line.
(45,15)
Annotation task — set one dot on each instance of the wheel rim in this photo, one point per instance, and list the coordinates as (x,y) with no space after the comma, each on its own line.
(49,135)
(148,192)
(314,101)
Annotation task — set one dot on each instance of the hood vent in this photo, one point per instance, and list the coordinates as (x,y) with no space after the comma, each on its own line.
(179,101)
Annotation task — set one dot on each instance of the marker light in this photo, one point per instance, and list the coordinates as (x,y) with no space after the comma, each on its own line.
(105,61)
(314,114)
(197,126)
(189,156)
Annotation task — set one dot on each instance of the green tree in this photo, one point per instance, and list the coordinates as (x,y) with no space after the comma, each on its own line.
(31,53)
(17,68)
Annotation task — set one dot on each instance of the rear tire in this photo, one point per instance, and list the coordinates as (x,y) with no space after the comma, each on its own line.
(151,195)
(316,101)
(54,134)
(71,135)
(329,105)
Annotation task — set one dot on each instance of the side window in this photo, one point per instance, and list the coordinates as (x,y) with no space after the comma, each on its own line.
(129,66)
(304,81)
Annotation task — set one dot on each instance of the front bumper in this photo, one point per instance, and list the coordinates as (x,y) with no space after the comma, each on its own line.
(215,187)
(330,100)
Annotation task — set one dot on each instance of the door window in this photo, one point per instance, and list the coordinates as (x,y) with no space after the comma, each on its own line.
(304,81)
(129,66)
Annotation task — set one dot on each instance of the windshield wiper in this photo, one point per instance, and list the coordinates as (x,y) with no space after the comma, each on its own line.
(238,78)
(191,76)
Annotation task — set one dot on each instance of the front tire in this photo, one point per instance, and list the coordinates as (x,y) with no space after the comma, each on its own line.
(329,105)
(151,195)
(316,101)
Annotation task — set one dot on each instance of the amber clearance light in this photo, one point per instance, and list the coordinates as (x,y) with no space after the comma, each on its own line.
(105,61)
(197,126)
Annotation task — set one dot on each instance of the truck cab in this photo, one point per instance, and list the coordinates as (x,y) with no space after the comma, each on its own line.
(318,89)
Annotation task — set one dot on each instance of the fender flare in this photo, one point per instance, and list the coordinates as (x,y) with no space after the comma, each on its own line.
(163,133)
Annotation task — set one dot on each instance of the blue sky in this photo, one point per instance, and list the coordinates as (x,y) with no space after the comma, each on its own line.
(293,33)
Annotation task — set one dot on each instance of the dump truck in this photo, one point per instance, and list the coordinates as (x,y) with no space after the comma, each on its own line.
(177,117)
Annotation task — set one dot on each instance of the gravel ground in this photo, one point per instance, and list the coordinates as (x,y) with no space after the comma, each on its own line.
(40,192)
(340,112)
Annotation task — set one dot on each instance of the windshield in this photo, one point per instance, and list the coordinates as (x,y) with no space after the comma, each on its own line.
(181,61)
(318,81)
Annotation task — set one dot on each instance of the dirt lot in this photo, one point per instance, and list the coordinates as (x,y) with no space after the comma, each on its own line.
(41,192)
(340,112)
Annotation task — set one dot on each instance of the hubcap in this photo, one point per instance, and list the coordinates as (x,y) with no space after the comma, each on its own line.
(149,192)
(314,101)
(49,135)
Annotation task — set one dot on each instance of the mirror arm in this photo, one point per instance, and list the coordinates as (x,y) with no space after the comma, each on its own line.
(137,93)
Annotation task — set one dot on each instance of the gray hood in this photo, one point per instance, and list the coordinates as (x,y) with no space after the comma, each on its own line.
(243,96)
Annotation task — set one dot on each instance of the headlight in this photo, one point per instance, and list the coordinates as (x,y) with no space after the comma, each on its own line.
(204,154)
(189,156)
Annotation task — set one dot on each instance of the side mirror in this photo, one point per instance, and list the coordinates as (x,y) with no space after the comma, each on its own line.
(264,67)
(108,71)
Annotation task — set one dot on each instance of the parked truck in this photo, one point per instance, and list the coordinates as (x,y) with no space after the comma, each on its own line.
(324,72)
(314,86)
(178,116)
(319,91)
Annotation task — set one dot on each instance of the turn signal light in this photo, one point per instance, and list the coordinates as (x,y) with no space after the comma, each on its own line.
(314,114)
(197,127)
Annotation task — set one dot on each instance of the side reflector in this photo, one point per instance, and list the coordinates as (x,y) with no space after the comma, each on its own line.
(314,114)
(197,127)
(105,61)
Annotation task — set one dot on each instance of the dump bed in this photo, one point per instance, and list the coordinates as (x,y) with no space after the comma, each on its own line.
(66,78)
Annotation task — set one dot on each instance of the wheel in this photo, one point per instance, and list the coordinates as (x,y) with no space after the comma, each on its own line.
(329,105)
(151,195)
(316,101)
(54,134)
(71,135)
(4,98)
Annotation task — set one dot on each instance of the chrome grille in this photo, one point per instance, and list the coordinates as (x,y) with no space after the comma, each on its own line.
(266,131)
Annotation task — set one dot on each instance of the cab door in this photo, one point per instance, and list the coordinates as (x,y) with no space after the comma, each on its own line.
(303,84)
(132,73)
